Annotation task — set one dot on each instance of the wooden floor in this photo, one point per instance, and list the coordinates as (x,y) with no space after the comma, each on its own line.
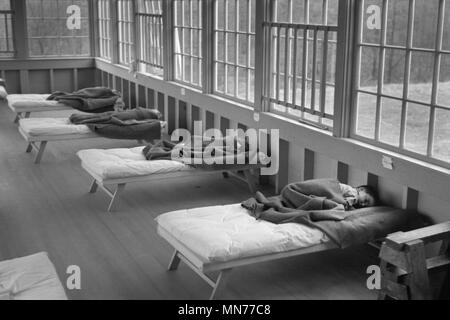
(47,208)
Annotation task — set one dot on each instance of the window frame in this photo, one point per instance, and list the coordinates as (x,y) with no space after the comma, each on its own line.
(152,56)
(202,29)
(106,23)
(125,25)
(290,102)
(405,100)
(249,100)
(27,38)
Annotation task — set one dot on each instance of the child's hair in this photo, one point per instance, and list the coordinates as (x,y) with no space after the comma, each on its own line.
(371,192)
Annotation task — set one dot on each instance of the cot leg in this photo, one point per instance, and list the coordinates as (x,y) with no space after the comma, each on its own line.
(174,262)
(18,116)
(40,152)
(94,187)
(118,191)
(250,181)
(221,284)
(225,174)
(29,148)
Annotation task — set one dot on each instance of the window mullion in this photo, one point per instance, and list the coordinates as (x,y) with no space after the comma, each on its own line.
(20,30)
(408,58)
(436,76)
(348,57)
(208,45)
(168,47)
(262,58)
(114,45)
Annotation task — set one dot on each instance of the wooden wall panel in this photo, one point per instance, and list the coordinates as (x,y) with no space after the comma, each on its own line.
(63,80)
(209,120)
(39,81)
(12,78)
(182,115)
(86,78)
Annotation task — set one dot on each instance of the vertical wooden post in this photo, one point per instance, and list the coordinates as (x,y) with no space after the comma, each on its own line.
(167,10)
(262,64)
(208,45)
(114,32)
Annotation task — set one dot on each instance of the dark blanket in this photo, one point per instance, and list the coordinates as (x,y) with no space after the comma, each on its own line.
(217,154)
(136,124)
(320,204)
(91,100)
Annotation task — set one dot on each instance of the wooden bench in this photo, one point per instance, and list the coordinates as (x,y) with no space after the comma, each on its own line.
(405,267)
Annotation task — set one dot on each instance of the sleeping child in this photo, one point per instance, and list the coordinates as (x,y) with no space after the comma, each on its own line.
(359,197)
(323,199)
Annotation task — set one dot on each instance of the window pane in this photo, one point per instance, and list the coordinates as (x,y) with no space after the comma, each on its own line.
(446,42)
(370,25)
(366,114)
(394,71)
(369,69)
(5,5)
(333,8)
(444,81)
(425,23)
(441,149)
(6,30)
(420,86)
(391,118)
(397,23)
(417,128)
(52,33)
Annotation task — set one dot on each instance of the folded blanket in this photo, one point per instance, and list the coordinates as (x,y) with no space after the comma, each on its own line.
(320,204)
(222,151)
(91,100)
(136,124)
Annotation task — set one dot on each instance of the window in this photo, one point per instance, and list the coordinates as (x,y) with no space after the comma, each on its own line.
(234,59)
(303,59)
(104,28)
(6,29)
(188,41)
(50,32)
(402,93)
(151,31)
(125,29)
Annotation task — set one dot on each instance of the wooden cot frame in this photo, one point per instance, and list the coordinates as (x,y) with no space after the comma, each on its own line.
(26,113)
(119,184)
(39,143)
(202,267)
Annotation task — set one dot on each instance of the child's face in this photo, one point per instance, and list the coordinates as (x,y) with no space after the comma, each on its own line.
(364,200)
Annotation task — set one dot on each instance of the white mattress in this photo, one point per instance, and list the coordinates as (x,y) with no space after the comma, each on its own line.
(126,163)
(37,127)
(30,278)
(33,102)
(226,233)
